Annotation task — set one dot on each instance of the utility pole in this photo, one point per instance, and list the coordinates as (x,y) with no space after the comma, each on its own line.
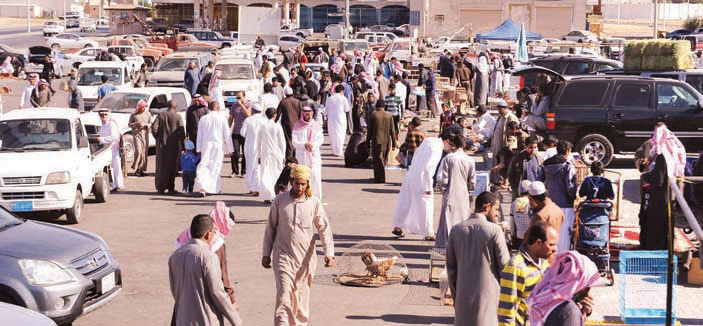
(29,22)
(656,18)
(346,17)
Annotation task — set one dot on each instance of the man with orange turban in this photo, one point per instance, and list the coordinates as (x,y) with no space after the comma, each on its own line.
(289,244)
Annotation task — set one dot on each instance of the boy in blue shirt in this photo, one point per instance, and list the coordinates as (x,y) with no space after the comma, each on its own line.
(597,186)
(189,163)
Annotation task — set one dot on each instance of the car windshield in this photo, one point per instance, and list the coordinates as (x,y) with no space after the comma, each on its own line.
(93,76)
(122,102)
(35,134)
(172,64)
(8,220)
(235,71)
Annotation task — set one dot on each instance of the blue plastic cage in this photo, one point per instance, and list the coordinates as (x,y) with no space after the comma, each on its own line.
(643,287)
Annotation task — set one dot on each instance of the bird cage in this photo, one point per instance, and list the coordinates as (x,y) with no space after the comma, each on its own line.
(371,264)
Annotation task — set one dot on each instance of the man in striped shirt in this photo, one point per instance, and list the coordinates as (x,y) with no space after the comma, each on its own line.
(394,107)
(524,271)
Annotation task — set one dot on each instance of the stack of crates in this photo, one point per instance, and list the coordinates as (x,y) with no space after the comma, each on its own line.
(643,287)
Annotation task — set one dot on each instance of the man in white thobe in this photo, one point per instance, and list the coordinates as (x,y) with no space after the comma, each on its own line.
(272,154)
(307,139)
(336,109)
(269,99)
(110,136)
(289,244)
(414,210)
(213,139)
(26,98)
(250,131)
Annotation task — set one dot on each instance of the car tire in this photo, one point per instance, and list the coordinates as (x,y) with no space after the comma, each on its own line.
(73,214)
(596,147)
(226,45)
(76,65)
(101,187)
(56,46)
(580,41)
(149,63)
(301,35)
(128,147)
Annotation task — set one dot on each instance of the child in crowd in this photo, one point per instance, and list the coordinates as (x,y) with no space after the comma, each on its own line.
(597,186)
(284,179)
(447,118)
(413,139)
(520,212)
(189,163)
(550,147)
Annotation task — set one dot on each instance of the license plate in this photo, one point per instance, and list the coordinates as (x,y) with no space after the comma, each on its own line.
(231,99)
(22,206)
(108,282)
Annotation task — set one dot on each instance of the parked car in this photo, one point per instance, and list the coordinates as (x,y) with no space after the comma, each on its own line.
(693,77)
(82,56)
(51,28)
(214,38)
(150,52)
(19,61)
(102,24)
(16,315)
(128,54)
(60,272)
(580,37)
(238,75)
(184,24)
(604,115)
(349,46)
(73,23)
(678,32)
(363,35)
(33,137)
(87,25)
(295,30)
(571,65)
(399,49)
(171,68)
(380,28)
(450,43)
(124,102)
(69,41)
(158,25)
(37,58)
(90,78)
(335,31)
(287,42)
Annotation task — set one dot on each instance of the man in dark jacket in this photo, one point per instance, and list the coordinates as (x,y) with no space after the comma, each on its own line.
(381,135)
(525,166)
(560,180)
(75,97)
(195,111)
(289,110)
(168,132)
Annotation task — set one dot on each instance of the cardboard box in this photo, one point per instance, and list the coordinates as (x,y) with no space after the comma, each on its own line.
(695,274)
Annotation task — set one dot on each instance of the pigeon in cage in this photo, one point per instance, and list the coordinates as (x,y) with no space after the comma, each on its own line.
(376,267)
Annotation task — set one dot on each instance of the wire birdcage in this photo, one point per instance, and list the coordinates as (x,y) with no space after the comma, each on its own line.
(371,264)
(643,287)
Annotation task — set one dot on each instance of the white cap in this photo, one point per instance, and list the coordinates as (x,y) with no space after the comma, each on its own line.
(525,186)
(502,104)
(536,188)
(256,107)
(288,91)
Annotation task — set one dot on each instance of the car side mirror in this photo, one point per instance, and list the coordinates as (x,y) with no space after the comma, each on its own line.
(83,142)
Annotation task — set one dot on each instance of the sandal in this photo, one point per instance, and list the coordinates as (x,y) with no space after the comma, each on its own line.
(398,232)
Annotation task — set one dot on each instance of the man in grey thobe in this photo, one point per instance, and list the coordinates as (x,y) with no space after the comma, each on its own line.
(476,254)
(196,281)
(191,79)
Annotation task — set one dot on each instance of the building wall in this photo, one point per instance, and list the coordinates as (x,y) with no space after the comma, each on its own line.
(549,18)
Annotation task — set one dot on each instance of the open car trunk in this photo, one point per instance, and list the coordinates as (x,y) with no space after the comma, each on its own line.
(38,54)
(535,76)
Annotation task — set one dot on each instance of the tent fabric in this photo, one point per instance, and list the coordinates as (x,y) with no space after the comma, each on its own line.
(507,31)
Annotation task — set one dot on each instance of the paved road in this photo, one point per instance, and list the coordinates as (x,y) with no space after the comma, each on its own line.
(140,227)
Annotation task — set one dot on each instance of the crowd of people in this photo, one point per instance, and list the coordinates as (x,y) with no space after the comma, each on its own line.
(275,145)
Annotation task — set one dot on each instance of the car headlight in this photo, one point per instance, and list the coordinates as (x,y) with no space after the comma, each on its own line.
(42,272)
(58,178)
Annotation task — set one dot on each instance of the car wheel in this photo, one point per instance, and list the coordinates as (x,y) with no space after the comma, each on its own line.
(226,45)
(149,63)
(101,187)
(596,148)
(580,41)
(73,214)
(128,147)
(301,35)
(56,46)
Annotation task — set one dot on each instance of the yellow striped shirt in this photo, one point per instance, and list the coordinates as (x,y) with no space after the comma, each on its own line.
(517,280)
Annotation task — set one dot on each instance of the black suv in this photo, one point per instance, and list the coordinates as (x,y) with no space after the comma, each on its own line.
(603,115)
(573,65)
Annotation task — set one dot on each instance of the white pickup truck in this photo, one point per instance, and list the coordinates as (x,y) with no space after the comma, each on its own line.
(49,165)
